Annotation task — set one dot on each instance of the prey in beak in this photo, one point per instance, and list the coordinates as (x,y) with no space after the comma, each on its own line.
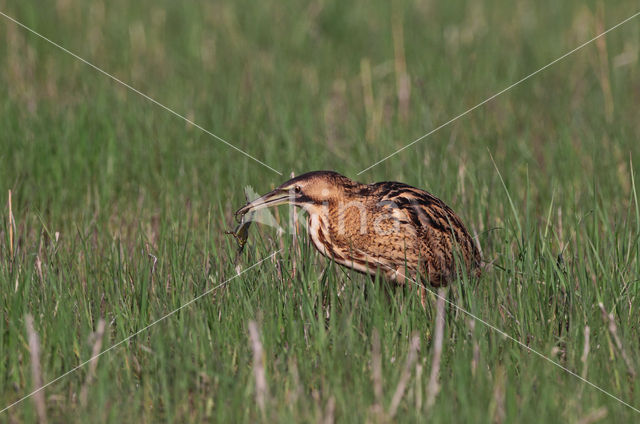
(280,196)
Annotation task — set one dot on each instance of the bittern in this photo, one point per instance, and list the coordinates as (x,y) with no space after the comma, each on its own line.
(392,228)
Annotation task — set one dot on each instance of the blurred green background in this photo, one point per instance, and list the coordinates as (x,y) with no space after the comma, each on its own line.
(103,181)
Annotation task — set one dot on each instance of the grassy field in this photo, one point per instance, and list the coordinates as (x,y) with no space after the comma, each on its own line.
(104,181)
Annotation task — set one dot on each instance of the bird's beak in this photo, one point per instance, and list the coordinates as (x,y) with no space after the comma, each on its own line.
(273,198)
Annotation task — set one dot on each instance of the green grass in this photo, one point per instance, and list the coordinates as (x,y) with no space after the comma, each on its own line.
(119,179)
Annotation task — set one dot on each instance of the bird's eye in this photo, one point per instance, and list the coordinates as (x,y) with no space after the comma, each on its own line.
(297,189)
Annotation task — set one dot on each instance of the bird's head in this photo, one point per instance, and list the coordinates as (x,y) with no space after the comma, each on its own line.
(310,190)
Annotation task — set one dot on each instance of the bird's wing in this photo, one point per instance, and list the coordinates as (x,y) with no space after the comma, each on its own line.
(421,208)
(436,224)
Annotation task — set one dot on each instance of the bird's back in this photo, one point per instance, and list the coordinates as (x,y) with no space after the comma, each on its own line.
(392,223)
(441,233)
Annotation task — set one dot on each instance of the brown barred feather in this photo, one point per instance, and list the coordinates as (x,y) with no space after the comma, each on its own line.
(388,227)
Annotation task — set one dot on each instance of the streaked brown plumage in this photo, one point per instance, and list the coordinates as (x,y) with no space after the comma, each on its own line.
(396,229)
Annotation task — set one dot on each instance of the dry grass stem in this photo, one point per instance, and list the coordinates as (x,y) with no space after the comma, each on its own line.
(376,365)
(258,366)
(613,329)
(594,416)
(373,109)
(97,346)
(10,227)
(585,351)
(36,370)
(476,347)
(406,374)
(434,387)
(419,369)
(154,258)
(330,411)
(403,84)
(497,406)
(603,55)
(39,269)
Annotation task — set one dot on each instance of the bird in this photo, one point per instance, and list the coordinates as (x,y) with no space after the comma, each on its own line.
(402,232)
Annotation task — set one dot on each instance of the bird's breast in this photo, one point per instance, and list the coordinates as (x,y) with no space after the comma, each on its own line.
(323,240)
(318,230)
(334,247)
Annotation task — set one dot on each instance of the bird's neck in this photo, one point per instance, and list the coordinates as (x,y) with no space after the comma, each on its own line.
(341,220)
(318,229)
